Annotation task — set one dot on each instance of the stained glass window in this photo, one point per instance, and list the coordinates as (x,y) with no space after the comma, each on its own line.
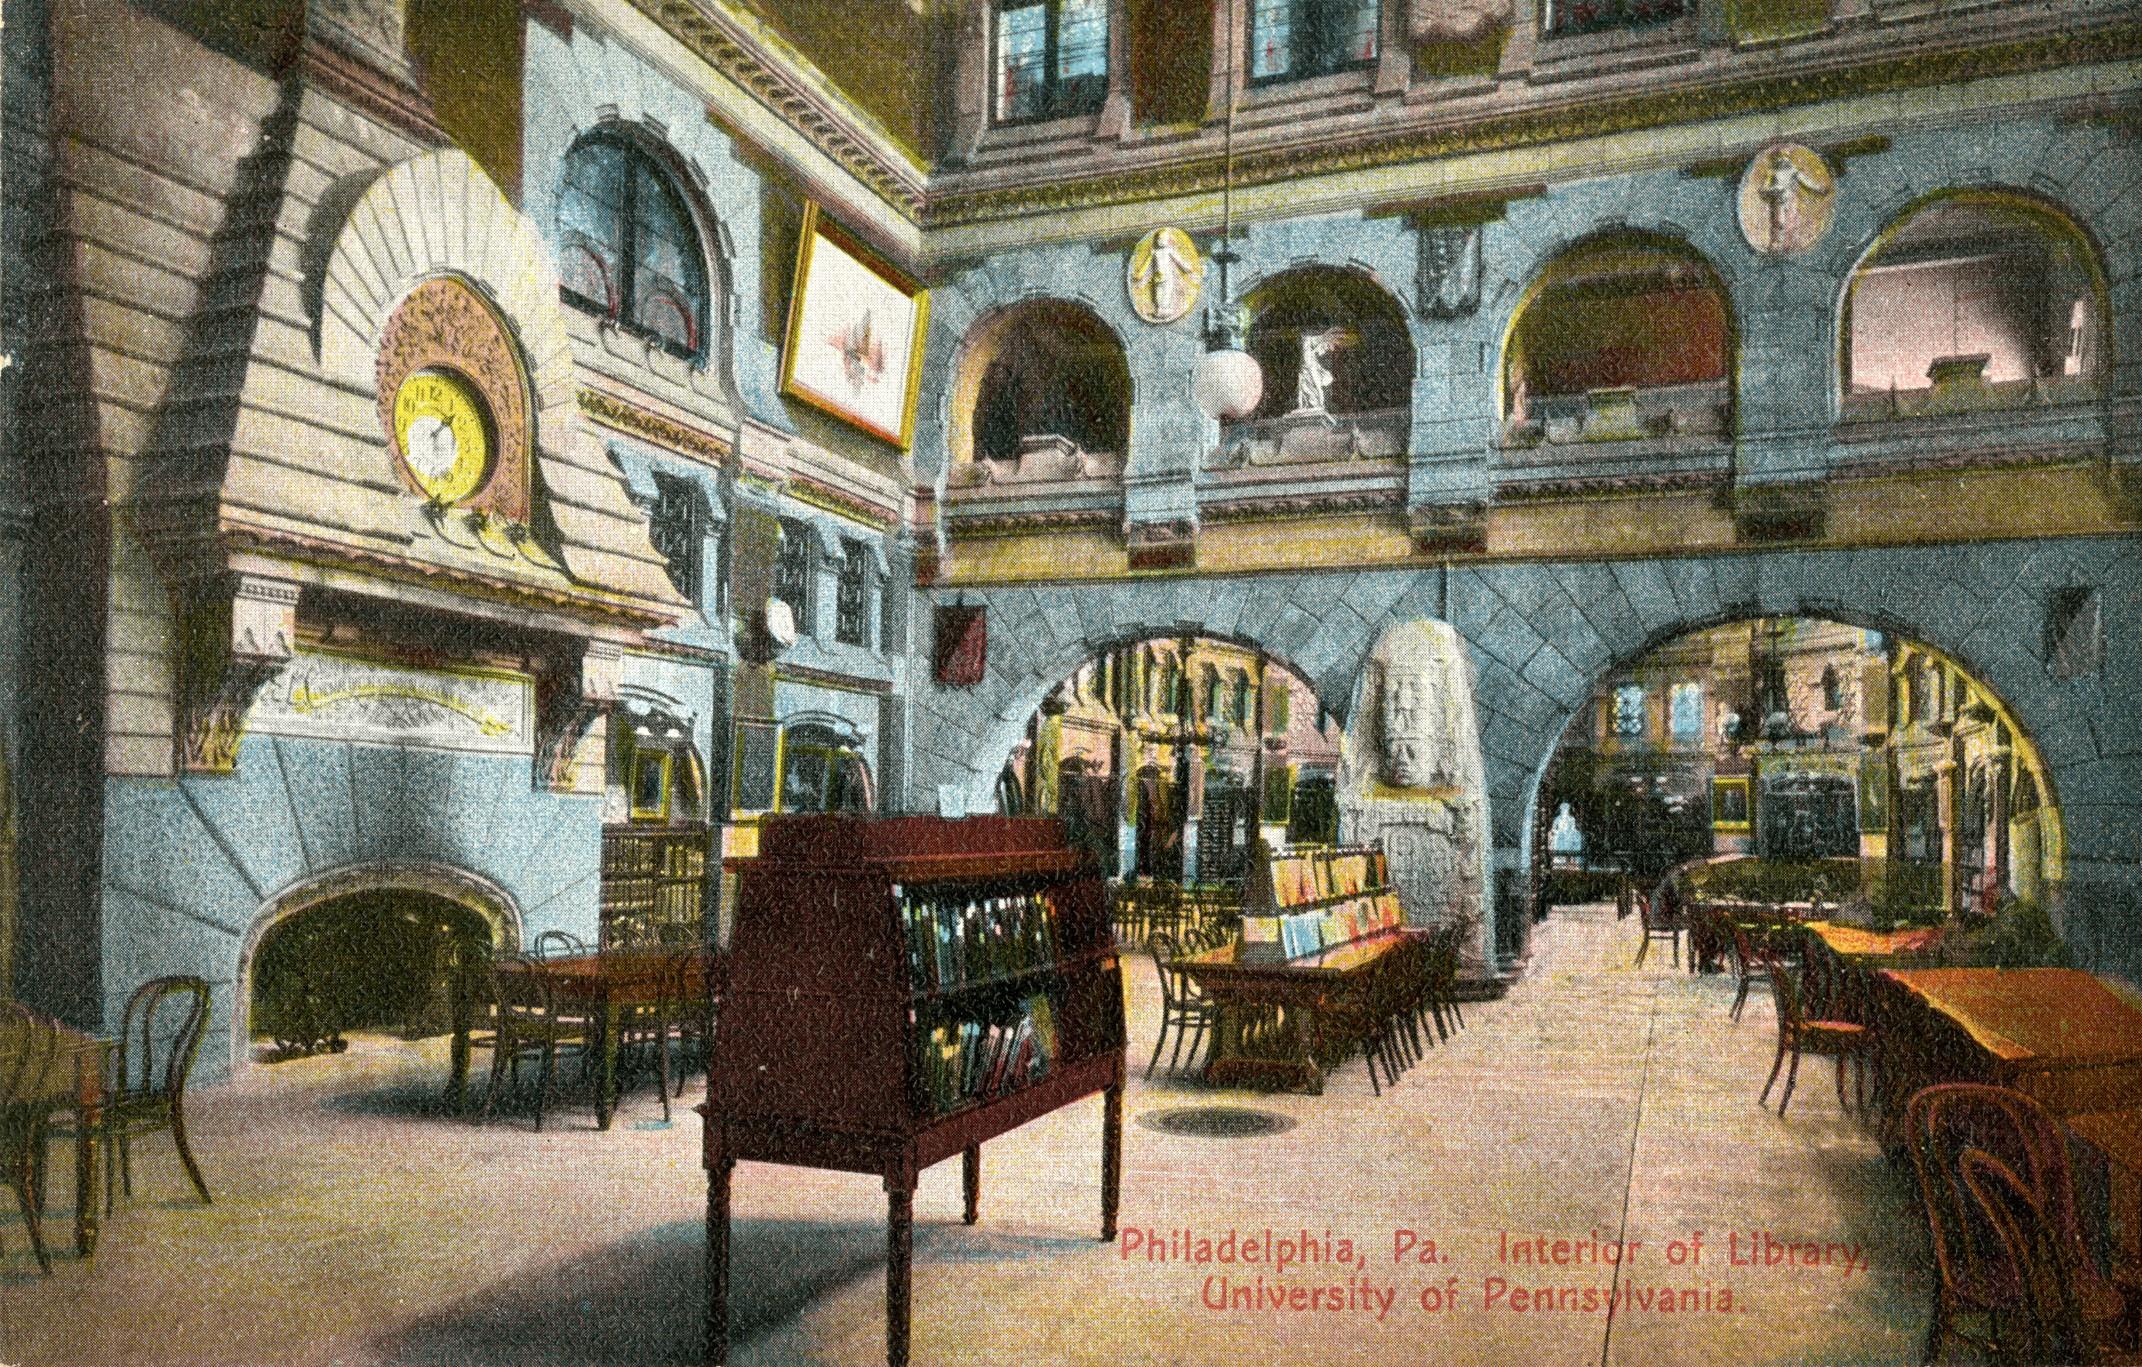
(851,604)
(1291,39)
(1051,59)
(628,250)
(792,571)
(1687,710)
(1629,710)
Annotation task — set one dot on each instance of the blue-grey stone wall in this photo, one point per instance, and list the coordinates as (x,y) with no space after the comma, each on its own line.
(191,865)
(1543,635)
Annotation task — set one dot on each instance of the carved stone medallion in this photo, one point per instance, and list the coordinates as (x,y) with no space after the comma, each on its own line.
(1164,275)
(444,331)
(1787,197)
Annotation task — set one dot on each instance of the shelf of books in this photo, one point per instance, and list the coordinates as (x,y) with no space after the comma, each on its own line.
(1307,899)
(900,990)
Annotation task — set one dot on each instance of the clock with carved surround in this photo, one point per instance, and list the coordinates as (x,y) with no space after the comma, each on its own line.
(453,398)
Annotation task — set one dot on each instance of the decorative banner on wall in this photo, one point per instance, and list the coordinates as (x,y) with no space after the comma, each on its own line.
(336,697)
(962,655)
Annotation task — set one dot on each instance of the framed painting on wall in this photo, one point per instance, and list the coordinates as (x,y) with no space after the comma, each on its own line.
(1729,804)
(855,330)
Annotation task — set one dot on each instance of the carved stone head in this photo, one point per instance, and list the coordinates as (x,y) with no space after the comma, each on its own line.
(1413,719)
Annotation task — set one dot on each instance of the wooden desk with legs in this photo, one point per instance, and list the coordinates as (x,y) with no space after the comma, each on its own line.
(602,986)
(1320,1000)
(2058,1034)
(75,1081)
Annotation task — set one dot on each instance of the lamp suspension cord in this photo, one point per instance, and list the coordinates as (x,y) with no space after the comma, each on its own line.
(1227,155)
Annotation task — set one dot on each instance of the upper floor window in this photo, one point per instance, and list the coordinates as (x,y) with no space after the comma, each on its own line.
(1051,58)
(1567,17)
(678,526)
(1291,39)
(628,250)
(792,571)
(1628,710)
(851,603)
(1687,710)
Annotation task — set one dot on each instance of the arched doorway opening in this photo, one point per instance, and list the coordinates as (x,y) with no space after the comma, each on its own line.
(1798,740)
(1171,757)
(361,948)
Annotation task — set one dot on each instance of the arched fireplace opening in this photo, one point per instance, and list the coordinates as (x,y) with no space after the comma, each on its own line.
(373,960)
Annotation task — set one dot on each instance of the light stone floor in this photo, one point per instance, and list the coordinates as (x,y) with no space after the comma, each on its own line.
(353,1223)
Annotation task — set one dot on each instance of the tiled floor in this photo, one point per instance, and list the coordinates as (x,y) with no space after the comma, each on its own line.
(355,1224)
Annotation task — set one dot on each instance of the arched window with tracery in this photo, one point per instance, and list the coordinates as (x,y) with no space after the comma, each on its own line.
(628,246)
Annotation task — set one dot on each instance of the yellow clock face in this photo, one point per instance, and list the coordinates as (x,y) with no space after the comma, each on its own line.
(444,433)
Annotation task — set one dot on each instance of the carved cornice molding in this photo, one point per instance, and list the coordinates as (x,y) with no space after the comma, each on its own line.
(1573,485)
(383,96)
(998,522)
(1267,508)
(819,494)
(635,421)
(233,637)
(774,77)
(1977,458)
(319,550)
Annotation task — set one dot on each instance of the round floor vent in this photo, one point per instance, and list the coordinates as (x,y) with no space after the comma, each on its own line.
(1216,1122)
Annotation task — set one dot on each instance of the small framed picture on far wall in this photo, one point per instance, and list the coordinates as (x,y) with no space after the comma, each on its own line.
(1729,804)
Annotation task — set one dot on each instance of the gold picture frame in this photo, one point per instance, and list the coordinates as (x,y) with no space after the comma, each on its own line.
(650,785)
(1730,809)
(856,328)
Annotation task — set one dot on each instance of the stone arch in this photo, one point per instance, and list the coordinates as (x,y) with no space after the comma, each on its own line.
(983,341)
(487,900)
(2055,220)
(1371,293)
(1542,633)
(1664,243)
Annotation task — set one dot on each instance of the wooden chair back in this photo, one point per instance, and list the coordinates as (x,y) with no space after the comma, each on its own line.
(160,1036)
(1941,1123)
(2051,1323)
(559,944)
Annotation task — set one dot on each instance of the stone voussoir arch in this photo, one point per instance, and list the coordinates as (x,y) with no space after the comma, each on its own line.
(471,892)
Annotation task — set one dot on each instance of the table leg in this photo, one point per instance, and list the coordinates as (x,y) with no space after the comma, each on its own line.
(606,1082)
(1226,1037)
(1305,1050)
(899,1269)
(88,1116)
(457,1081)
(716,1350)
(1111,1159)
(970,1172)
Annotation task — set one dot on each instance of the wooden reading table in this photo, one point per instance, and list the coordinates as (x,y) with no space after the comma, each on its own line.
(1323,998)
(74,1081)
(2058,1034)
(602,986)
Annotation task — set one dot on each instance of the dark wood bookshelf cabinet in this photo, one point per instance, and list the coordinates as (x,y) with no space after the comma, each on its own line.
(844,1037)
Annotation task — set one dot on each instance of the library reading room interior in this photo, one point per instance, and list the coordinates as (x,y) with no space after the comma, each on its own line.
(1070,681)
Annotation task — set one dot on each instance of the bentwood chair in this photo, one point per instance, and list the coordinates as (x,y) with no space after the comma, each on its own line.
(159,1037)
(28,1045)
(1797,1035)
(1662,921)
(526,1024)
(1183,1007)
(559,944)
(691,1014)
(1751,961)
(1981,1282)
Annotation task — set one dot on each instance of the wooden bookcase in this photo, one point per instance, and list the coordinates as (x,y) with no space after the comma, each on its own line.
(831,1049)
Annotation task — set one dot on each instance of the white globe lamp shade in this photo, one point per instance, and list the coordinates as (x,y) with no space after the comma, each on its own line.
(1228,384)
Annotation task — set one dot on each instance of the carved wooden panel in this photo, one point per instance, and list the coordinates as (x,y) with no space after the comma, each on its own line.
(445,325)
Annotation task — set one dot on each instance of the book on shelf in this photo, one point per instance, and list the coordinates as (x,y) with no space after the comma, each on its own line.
(981,1057)
(957,940)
